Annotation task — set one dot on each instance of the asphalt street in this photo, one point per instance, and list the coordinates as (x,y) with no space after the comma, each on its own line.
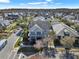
(6,51)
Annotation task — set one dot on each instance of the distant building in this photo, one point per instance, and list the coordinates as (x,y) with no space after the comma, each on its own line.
(5,22)
(58,14)
(1,17)
(77,16)
(11,16)
(41,18)
(69,17)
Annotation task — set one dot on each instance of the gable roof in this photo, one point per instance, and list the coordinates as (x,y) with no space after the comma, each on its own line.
(57,28)
(36,27)
(39,18)
(69,17)
(4,22)
(61,26)
(0,26)
(42,24)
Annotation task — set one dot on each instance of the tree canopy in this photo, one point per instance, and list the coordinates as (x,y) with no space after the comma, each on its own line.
(67,42)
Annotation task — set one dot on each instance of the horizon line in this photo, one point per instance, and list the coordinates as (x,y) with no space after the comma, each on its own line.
(40,8)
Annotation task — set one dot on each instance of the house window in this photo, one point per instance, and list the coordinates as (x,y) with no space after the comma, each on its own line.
(38,33)
(32,38)
(59,37)
(66,33)
(76,44)
(32,33)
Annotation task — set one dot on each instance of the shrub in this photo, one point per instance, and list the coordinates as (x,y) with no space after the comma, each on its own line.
(17,44)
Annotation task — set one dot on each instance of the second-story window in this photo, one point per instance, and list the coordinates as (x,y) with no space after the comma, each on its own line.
(66,33)
(32,33)
(38,33)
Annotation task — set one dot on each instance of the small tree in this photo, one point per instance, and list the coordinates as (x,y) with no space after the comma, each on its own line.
(77,27)
(25,35)
(52,34)
(39,45)
(67,42)
(67,22)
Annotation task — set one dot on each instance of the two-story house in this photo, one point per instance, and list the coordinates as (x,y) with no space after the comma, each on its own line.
(61,30)
(38,30)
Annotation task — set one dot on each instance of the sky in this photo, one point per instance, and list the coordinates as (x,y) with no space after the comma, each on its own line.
(39,4)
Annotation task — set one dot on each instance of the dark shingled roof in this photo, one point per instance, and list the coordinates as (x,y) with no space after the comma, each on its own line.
(45,25)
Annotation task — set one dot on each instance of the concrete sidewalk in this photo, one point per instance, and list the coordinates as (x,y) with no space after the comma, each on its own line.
(13,53)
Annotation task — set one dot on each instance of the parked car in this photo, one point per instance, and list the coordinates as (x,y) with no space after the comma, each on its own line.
(3,43)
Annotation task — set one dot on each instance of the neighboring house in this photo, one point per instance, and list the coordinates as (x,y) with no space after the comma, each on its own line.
(75,21)
(1,17)
(11,16)
(38,29)
(5,23)
(41,18)
(58,14)
(77,16)
(62,30)
(1,26)
(69,17)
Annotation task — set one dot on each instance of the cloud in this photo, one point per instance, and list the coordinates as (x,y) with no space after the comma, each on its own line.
(22,4)
(48,0)
(58,3)
(4,1)
(38,7)
(38,3)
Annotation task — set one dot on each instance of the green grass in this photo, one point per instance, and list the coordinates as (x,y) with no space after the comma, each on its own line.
(17,43)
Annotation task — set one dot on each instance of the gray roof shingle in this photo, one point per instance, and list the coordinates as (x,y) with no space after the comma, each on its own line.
(45,25)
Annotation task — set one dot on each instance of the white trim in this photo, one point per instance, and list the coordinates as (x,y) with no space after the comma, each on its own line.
(33,28)
(61,27)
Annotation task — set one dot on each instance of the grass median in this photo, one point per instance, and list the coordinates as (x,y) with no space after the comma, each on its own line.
(17,42)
